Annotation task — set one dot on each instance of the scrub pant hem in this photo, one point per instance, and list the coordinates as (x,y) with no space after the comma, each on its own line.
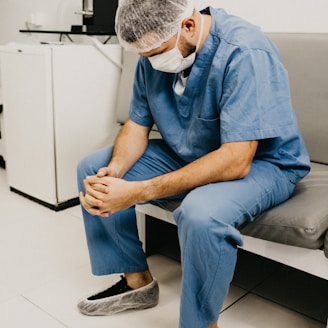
(112,270)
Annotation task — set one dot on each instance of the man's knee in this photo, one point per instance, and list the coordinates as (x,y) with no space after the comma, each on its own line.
(86,167)
(191,217)
(202,203)
(90,165)
(202,218)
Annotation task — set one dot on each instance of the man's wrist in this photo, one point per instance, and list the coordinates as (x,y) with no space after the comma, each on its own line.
(145,191)
(114,171)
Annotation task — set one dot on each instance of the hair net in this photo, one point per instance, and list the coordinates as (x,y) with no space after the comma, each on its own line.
(143,25)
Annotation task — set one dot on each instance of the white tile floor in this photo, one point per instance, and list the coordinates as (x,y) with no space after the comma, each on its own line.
(45,270)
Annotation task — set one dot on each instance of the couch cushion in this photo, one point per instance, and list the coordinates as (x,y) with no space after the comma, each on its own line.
(300,221)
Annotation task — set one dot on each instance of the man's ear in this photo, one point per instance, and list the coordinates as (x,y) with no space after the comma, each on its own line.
(188,24)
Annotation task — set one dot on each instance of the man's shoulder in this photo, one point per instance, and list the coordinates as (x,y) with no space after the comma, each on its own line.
(237,31)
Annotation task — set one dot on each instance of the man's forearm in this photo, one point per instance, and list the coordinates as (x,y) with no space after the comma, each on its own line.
(230,162)
(129,146)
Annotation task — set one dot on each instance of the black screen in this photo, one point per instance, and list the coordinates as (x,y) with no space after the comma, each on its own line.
(103,20)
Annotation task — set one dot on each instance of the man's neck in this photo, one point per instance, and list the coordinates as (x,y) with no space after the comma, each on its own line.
(207,29)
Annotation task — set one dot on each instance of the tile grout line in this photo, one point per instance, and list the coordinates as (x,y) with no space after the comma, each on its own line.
(250,291)
(47,313)
(236,301)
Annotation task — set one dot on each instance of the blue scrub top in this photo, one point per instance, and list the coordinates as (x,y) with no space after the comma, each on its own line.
(237,90)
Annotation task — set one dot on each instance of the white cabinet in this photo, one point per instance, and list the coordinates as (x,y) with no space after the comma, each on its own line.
(2,147)
(59,105)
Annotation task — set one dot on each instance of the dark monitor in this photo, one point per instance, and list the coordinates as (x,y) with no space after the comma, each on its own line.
(99,16)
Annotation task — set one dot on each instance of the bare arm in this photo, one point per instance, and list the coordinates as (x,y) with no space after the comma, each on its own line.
(231,161)
(129,146)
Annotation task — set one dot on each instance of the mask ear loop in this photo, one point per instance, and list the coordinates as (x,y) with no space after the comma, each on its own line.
(178,38)
(201,32)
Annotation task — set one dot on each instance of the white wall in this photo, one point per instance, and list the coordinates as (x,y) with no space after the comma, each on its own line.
(270,15)
(55,14)
(279,15)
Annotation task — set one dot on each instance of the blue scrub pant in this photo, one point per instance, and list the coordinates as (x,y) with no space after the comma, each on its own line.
(207,223)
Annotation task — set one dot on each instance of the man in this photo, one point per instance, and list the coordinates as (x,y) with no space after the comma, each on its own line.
(216,89)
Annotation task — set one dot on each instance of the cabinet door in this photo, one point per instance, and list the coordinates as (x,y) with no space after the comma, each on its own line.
(85,88)
(28,120)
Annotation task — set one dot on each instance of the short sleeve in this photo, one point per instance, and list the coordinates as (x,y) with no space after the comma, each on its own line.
(255,102)
(139,109)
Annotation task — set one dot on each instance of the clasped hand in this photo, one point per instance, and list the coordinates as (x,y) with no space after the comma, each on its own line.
(105,195)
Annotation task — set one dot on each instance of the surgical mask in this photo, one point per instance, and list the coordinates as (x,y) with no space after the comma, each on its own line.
(172,61)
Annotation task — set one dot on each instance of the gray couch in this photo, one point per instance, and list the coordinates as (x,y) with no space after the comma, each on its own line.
(296,232)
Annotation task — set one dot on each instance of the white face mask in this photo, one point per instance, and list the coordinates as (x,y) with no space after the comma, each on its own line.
(172,61)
